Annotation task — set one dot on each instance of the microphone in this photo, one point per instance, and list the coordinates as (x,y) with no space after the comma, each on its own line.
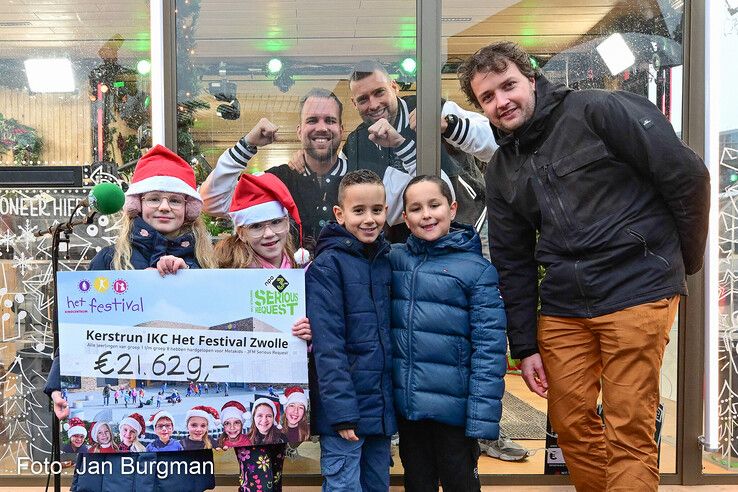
(105,198)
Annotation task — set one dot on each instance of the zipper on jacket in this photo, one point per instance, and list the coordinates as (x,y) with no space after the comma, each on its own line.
(410,330)
(516,143)
(581,289)
(646,250)
(562,231)
(550,205)
(555,192)
(379,334)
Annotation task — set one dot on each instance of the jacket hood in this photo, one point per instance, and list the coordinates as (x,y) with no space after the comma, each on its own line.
(335,236)
(548,96)
(461,237)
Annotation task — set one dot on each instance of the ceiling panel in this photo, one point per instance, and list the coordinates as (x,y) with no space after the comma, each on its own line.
(358,28)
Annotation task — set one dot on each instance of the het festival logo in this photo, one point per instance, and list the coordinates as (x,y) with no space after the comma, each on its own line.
(102,285)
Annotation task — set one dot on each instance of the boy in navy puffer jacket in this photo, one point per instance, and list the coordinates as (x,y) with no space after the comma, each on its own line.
(349,308)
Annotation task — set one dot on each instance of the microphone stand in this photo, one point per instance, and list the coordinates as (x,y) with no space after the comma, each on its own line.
(59,234)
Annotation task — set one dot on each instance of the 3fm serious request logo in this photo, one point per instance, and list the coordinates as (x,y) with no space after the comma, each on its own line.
(267,301)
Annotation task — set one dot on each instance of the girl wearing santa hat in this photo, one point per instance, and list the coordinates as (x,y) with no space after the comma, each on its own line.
(265,426)
(161,219)
(163,424)
(233,415)
(160,229)
(130,428)
(101,437)
(199,419)
(261,209)
(294,417)
(77,432)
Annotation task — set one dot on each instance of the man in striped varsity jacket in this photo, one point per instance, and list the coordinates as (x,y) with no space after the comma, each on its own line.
(385,141)
(314,187)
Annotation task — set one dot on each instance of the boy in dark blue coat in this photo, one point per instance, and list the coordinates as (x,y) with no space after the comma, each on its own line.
(348,305)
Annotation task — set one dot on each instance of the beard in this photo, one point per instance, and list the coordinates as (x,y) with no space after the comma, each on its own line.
(323,156)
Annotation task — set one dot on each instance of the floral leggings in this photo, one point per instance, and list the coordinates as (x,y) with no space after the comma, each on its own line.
(261,468)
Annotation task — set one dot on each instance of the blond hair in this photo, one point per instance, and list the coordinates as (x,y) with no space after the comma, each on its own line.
(232,252)
(203,244)
(207,441)
(136,445)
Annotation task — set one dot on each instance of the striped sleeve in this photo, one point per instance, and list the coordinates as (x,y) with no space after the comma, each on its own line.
(217,190)
(473,133)
(407,153)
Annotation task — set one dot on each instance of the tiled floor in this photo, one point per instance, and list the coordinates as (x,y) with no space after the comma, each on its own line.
(666,488)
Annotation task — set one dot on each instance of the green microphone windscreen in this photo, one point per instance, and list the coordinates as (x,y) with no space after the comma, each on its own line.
(106,198)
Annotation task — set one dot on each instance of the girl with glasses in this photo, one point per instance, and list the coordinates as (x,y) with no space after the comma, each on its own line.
(261,207)
(161,228)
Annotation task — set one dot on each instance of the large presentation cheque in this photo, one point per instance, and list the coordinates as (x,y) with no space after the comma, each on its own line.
(133,344)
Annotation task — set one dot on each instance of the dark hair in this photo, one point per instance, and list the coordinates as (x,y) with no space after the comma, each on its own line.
(493,58)
(365,68)
(320,93)
(442,186)
(360,176)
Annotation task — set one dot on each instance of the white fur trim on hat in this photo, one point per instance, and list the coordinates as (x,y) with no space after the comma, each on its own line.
(77,429)
(258,213)
(232,413)
(132,422)
(202,413)
(161,414)
(166,184)
(297,397)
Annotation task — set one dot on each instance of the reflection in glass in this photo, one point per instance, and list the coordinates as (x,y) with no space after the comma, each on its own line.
(276,97)
(725,459)
(70,96)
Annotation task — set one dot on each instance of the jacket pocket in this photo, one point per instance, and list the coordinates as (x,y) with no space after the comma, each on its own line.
(579,159)
(646,249)
(331,466)
(591,185)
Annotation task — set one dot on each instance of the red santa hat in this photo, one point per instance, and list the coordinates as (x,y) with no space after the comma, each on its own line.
(75,426)
(208,413)
(233,410)
(160,169)
(263,196)
(161,414)
(135,420)
(271,404)
(294,394)
(96,426)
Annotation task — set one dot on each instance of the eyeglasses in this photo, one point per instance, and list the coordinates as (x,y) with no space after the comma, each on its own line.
(164,426)
(278,226)
(154,201)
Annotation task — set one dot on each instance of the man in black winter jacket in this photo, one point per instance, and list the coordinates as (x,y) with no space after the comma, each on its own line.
(595,187)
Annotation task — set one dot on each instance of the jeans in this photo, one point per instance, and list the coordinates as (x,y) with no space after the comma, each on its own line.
(355,465)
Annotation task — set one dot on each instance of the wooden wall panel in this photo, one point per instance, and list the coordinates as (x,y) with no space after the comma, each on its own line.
(62,120)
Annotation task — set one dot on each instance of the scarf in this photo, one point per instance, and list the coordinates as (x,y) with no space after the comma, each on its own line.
(262,263)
